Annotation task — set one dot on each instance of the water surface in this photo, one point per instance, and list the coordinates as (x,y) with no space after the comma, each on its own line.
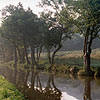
(46,86)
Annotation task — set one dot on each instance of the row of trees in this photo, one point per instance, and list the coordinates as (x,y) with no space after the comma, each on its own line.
(23,29)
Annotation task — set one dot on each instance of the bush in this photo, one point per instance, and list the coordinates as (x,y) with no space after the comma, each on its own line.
(84,73)
(97,74)
(74,70)
(62,68)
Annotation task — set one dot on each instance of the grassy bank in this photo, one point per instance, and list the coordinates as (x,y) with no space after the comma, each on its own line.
(64,61)
(8,91)
(70,59)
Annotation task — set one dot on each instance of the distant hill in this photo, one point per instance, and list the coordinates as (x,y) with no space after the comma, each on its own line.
(76,43)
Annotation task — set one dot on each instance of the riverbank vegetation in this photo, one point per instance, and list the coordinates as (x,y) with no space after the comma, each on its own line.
(25,36)
(64,62)
(8,91)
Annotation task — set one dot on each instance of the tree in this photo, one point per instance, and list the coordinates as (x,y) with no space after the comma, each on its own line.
(88,24)
(56,32)
(16,22)
(86,16)
(6,50)
(8,32)
(23,29)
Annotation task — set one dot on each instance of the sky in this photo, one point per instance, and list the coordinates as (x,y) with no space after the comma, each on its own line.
(26,3)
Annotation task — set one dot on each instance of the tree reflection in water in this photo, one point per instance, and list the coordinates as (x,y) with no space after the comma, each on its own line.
(37,92)
(87,89)
(32,86)
(34,91)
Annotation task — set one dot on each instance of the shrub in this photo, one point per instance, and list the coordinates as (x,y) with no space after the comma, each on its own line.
(84,73)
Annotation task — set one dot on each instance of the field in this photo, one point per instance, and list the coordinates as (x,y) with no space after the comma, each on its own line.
(65,60)
(73,58)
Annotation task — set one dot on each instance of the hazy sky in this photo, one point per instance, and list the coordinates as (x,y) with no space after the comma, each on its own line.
(26,3)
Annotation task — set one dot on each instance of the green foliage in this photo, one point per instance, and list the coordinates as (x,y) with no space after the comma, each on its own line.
(8,91)
(19,24)
(97,73)
(56,32)
(89,16)
(23,29)
(84,73)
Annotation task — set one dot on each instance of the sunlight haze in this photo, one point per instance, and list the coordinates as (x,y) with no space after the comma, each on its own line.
(26,3)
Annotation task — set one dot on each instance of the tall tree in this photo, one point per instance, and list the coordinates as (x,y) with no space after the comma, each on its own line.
(56,30)
(88,24)
(23,29)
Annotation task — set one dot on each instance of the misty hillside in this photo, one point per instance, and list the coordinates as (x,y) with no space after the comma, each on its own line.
(76,43)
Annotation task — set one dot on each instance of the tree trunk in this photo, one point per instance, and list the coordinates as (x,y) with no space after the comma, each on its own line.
(26,54)
(32,59)
(87,63)
(19,56)
(87,48)
(54,86)
(3,53)
(87,53)
(38,53)
(87,92)
(34,74)
(15,57)
(33,56)
(23,55)
(49,56)
(39,85)
(53,55)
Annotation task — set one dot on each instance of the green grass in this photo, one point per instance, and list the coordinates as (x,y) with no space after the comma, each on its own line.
(66,60)
(8,91)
